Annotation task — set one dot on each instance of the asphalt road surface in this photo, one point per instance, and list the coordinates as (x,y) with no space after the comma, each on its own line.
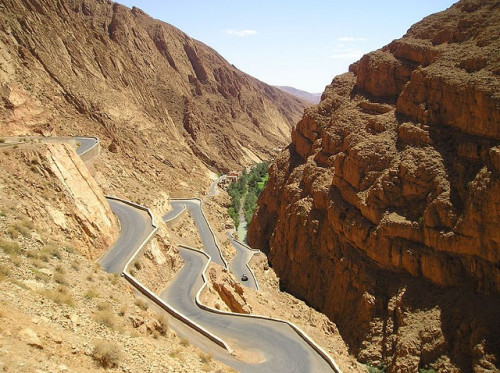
(135,227)
(86,143)
(206,237)
(238,265)
(276,345)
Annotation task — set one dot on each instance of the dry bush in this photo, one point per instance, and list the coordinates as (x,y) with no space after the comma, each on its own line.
(123,310)
(24,227)
(142,304)
(40,276)
(12,232)
(91,294)
(76,266)
(51,250)
(113,278)
(60,296)
(106,318)
(9,247)
(164,326)
(103,306)
(60,279)
(184,342)
(205,358)
(175,354)
(107,354)
(4,271)
(60,269)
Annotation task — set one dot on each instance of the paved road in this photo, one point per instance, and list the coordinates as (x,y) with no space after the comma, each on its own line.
(177,209)
(280,348)
(206,237)
(214,189)
(86,143)
(238,265)
(135,227)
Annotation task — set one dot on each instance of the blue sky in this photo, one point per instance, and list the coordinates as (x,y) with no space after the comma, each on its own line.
(302,44)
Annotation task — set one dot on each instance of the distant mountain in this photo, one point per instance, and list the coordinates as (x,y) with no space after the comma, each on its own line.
(303,95)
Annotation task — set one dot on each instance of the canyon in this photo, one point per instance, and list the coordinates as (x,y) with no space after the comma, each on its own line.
(170,113)
(383,212)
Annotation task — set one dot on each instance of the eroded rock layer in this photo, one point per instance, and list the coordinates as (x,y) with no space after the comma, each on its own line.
(384,211)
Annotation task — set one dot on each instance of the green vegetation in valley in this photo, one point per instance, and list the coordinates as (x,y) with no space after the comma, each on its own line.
(247,188)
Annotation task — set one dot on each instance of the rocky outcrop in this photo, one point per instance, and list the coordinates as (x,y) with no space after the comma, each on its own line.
(229,290)
(51,185)
(158,99)
(384,210)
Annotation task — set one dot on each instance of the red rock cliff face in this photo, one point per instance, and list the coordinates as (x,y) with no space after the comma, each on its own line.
(384,211)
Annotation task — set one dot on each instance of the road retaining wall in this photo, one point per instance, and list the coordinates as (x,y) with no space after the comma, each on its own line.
(299,331)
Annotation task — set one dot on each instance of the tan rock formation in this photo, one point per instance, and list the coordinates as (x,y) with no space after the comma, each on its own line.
(80,210)
(229,290)
(384,210)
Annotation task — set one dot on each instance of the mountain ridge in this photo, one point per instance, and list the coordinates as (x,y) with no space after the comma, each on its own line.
(313,98)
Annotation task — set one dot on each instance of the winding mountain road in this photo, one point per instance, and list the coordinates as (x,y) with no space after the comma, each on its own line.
(206,236)
(239,264)
(86,143)
(267,345)
(135,227)
(275,346)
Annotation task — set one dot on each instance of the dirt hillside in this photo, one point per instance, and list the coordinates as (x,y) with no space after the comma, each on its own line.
(168,109)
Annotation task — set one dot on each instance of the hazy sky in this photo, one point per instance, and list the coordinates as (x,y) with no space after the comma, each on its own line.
(302,44)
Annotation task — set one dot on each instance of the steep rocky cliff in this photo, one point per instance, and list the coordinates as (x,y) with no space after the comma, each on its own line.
(384,211)
(43,181)
(167,108)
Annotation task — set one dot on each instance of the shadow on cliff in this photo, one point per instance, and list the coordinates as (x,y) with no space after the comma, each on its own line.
(467,322)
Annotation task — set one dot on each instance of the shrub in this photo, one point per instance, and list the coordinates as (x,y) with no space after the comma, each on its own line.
(205,358)
(60,279)
(60,269)
(37,263)
(60,296)
(12,232)
(91,294)
(103,306)
(184,342)
(113,278)
(76,266)
(39,276)
(176,354)
(24,227)
(138,265)
(106,318)
(107,354)
(123,310)
(163,325)
(10,247)
(49,251)
(378,369)
(16,260)
(4,272)
(142,304)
